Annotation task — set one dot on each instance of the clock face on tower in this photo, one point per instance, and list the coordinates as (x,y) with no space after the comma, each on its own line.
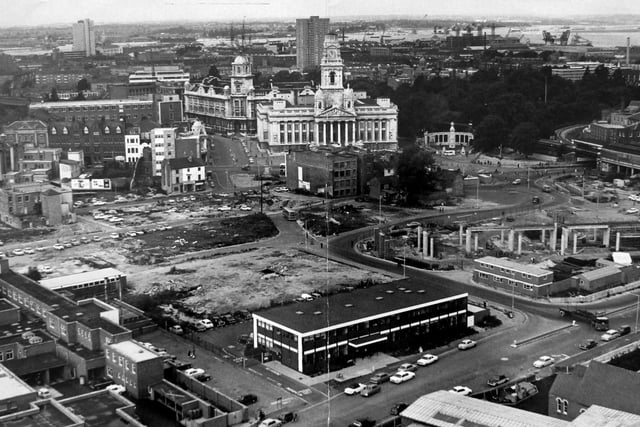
(331,53)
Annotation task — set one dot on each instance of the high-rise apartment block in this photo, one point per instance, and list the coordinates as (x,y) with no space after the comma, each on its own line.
(309,40)
(84,37)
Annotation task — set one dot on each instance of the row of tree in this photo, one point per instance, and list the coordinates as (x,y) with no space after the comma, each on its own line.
(508,107)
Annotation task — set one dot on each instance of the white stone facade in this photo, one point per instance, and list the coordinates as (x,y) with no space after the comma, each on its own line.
(339,117)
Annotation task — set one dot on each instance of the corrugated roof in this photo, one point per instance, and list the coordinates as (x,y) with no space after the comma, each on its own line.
(445,409)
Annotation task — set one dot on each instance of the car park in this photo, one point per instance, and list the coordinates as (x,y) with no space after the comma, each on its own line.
(380,377)
(543,361)
(248,399)
(611,334)
(587,344)
(353,389)
(370,389)
(408,367)
(402,376)
(397,408)
(116,388)
(466,344)
(427,359)
(497,380)
(462,390)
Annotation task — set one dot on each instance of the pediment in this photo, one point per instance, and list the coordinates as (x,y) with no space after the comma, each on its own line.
(335,112)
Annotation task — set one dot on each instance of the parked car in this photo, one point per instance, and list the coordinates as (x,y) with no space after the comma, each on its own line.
(100,383)
(402,376)
(397,408)
(248,399)
(543,361)
(497,380)
(370,389)
(353,389)
(194,372)
(116,388)
(407,367)
(363,422)
(632,211)
(206,323)
(44,393)
(176,329)
(587,344)
(460,389)
(380,377)
(58,246)
(270,422)
(224,208)
(29,251)
(517,181)
(427,359)
(17,252)
(611,334)
(46,269)
(466,344)
(114,235)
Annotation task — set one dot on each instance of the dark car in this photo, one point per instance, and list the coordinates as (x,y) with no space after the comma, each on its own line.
(624,330)
(587,344)
(380,377)
(397,408)
(497,380)
(363,422)
(248,399)
(100,383)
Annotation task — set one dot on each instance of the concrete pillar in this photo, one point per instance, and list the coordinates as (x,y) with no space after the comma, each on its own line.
(575,243)
(425,246)
(595,234)
(468,242)
(475,242)
(519,243)
(460,237)
(617,241)
(554,238)
(542,233)
(563,240)
(419,237)
(12,157)
(431,247)
(324,133)
(510,241)
(606,236)
(502,237)
(316,137)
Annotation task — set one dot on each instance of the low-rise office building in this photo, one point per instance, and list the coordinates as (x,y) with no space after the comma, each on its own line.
(133,366)
(105,284)
(309,335)
(514,277)
(183,175)
(324,171)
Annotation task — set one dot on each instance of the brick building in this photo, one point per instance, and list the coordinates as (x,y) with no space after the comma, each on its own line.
(183,175)
(135,367)
(316,171)
(99,140)
(513,277)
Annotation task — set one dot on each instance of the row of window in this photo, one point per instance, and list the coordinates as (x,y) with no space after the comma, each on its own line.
(120,360)
(122,377)
(510,282)
(85,130)
(7,355)
(506,270)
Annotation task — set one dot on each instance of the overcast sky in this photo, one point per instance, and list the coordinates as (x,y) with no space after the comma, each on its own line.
(39,12)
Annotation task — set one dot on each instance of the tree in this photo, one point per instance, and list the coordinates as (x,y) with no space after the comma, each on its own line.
(413,172)
(83,85)
(33,274)
(53,96)
(524,137)
(213,72)
(490,133)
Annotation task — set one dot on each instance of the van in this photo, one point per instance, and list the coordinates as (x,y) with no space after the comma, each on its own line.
(624,330)
(370,389)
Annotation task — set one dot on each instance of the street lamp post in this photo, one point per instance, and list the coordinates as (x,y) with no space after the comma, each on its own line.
(404,256)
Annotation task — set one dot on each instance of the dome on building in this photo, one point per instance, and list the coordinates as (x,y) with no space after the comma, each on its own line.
(240,60)
(226,87)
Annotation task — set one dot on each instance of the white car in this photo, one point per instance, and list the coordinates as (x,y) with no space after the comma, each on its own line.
(44,393)
(543,361)
(206,323)
(462,390)
(353,389)
(116,219)
(194,372)
(270,422)
(114,235)
(29,251)
(116,388)
(633,211)
(99,203)
(58,246)
(611,334)
(46,269)
(224,208)
(245,208)
(17,252)
(427,359)
(402,376)
(466,344)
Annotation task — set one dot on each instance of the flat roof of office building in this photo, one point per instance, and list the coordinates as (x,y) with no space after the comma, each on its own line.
(80,278)
(134,351)
(358,304)
(11,386)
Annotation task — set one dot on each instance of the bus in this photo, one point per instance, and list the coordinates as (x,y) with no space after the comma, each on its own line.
(289,214)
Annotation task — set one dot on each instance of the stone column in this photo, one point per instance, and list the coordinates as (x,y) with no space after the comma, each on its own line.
(460,236)
(519,243)
(325,131)
(502,236)
(575,243)
(468,242)
(606,236)
(339,126)
(425,247)
(431,247)
(475,241)
(12,157)
(353,132)
(542,233)
(554,237)
(286,132)
(316,136)
(595,234)
(510,241)
(419,236)
(617,241)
